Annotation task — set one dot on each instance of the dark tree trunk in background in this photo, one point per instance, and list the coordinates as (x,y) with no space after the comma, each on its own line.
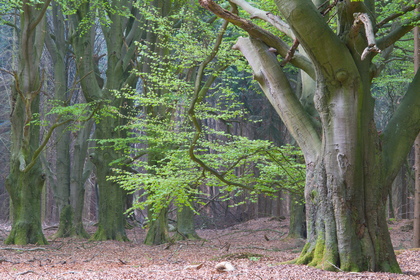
(297,226)
(58,49)
(185,224)
(416,233)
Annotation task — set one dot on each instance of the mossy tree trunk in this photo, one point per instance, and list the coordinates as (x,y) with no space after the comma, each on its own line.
(120,36)
(157,232)
(58,49)
(350,166)
(80,172)
(26,179)
(185,224)
(111,224)
(297,225)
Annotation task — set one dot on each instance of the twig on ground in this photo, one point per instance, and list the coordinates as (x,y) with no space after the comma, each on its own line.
(22,249)
(88,260)
(122,262)
(250,231)
(26,272)
(4,260)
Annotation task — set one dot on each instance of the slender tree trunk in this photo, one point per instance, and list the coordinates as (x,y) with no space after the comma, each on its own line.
(80,171)
(416,235)
(26,179)
(297,226)
(61,187)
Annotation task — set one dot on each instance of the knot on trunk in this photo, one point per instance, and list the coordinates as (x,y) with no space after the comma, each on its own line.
(342,160)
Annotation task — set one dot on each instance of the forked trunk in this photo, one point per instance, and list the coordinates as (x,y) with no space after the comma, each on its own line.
(26,179)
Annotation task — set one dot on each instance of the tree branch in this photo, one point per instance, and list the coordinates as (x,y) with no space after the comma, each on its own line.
(276,87)
(397,33)
(199,93)
(255,31)
(322,45)
(403,11)
(402,129)
(48,136)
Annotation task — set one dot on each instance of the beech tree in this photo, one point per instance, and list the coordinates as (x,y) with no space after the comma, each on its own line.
(120,26)
(26,178)
(350,165)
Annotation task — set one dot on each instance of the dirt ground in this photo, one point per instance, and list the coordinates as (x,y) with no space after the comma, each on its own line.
(255,249)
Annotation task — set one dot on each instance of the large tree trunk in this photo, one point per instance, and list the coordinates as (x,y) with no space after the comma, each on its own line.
(346,190)
(111,196)
(346,220)
(120,36)
(26,179)
(25,190)
(350,166)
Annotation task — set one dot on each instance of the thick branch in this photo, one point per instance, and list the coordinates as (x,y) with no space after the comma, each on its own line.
(276,87)
(402,129)
(49,134)
(320,42)
(257,32)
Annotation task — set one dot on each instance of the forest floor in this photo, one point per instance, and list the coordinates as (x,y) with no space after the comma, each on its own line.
(256,250)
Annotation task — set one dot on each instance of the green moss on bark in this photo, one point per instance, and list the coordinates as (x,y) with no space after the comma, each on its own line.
(24,233)
(65,228)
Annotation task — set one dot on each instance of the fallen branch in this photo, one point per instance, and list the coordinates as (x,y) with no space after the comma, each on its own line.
(254,230)
(88,260)
(22,249)
(26,272)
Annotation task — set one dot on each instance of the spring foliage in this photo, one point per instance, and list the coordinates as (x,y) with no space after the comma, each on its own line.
(159,146)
